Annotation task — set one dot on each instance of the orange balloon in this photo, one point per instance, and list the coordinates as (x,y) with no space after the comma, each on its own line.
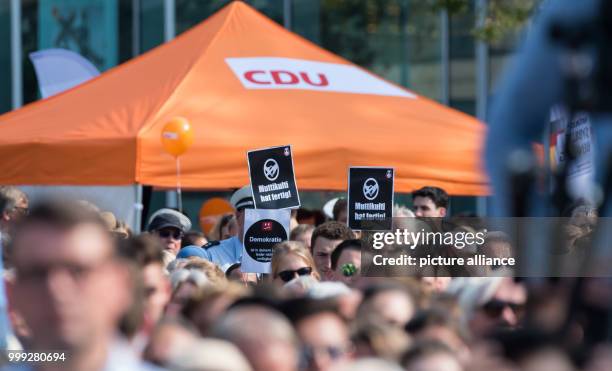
(177,136)
(211,211)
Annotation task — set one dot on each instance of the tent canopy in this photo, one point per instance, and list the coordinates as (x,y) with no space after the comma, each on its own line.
(243,82)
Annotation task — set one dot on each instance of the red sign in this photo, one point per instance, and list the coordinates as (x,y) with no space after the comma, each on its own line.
(280,77)
(266,226)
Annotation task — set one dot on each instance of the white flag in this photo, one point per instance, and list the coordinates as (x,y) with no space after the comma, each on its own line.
(60,69)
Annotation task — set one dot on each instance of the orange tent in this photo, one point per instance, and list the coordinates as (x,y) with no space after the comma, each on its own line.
(243,82)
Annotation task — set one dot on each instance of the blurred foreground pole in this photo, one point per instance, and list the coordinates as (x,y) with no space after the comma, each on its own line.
(17,101)
(482,84)
(5,327)
(16,73)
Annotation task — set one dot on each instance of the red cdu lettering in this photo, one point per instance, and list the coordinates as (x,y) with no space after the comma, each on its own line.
(284,77)
(250,75)
(322,79)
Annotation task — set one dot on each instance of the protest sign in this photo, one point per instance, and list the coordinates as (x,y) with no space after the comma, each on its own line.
(370,198)
(262,230)
(272,178)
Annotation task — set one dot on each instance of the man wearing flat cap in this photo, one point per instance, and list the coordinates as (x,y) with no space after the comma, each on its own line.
(229,251)
(170,226)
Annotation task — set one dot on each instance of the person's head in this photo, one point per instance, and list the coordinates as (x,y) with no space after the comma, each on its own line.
(229,227)
(147,252)
(378,339)
(340,210)
(242,199)
(324,240)
(437,324)
(214,274)
(206,307)
(234,273)
(532,349)
(71,286)
(504,309)
(431,202)
(209,355)
(194,238)
(291,259)
(435,284)
(389,302)
(167,339)
(489,303)
(498,245)
(186,283)
(430,356)
(118,228)
(13,207)
(302,233)
(346,261)
(170,226)
(263,335)
(323,332)
(582,213)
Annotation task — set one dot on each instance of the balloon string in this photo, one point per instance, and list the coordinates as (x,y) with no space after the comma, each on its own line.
(178,184)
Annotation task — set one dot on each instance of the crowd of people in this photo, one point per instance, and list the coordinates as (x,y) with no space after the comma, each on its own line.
(79,282)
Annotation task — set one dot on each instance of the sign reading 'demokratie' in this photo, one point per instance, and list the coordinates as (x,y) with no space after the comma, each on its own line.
(262,230)
(272,178)
(370,198)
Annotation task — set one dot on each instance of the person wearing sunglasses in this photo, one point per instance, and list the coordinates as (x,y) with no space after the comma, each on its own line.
(170,226)
(490,303)
(324,334)
(292,259)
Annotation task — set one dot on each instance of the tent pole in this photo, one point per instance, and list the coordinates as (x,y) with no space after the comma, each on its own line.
(138,207)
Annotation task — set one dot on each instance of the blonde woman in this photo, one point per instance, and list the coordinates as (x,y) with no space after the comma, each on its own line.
(292,259)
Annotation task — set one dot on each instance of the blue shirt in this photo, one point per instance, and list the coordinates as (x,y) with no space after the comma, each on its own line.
(224,253)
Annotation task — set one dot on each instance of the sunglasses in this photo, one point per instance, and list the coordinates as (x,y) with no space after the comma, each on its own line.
(288,275)
(494,308)
(165,233)
(333,352)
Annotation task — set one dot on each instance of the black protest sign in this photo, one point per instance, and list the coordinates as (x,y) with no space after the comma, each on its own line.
(262,230)
(370,198)
(261,237)
(272,178)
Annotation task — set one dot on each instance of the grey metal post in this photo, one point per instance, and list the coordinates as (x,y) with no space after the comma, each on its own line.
(136,10)
(138,207)
(169,19)
(287,13)
(482,83)
(169,33)
(444,57)
(16,68)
